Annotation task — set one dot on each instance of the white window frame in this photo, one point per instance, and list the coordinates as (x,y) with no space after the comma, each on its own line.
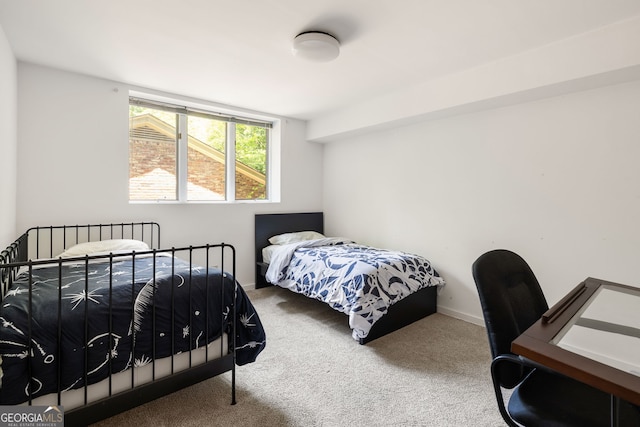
(231,116)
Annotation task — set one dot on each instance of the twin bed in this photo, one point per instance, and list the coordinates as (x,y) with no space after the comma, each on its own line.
(98,319)
(380,290)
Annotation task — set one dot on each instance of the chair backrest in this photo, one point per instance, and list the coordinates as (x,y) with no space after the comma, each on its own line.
(511,300)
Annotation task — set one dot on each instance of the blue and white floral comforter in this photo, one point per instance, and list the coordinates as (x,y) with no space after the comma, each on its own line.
(360,281)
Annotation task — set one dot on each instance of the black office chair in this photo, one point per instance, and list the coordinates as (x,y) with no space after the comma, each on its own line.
(512,300)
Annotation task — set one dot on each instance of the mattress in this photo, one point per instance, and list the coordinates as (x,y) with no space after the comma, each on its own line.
(138,375)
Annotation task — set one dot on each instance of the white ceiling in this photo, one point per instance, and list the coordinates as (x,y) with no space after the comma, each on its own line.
(238,52)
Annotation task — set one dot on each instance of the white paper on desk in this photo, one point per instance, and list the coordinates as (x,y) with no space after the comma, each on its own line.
(616,307)
(618,350)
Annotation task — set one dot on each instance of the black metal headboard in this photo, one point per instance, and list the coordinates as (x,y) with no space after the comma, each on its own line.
(268,225)
(46,242)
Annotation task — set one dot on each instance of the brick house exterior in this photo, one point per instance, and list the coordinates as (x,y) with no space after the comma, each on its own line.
(152,160)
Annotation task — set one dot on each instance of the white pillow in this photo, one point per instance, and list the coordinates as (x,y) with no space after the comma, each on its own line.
(104,247)
(268,251)
(300,236)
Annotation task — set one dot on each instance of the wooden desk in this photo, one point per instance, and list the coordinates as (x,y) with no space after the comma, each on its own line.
(591,335)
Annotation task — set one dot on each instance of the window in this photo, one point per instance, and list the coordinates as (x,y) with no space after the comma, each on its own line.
(185,154)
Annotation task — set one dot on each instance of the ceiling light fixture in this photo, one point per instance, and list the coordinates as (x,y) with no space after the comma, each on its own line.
(316,46)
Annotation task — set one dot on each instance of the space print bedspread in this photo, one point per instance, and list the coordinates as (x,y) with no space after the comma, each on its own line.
(118,336)
(357,280)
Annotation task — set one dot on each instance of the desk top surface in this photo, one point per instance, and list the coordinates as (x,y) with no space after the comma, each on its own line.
(606,329)
(592,335)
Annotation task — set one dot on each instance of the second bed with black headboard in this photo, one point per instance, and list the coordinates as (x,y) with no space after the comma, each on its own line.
(380,290)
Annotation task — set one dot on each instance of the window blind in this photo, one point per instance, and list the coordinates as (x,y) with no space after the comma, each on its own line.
(179,109)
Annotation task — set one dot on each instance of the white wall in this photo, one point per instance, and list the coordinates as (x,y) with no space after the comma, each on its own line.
(556,180)
(8,142)
(73,167)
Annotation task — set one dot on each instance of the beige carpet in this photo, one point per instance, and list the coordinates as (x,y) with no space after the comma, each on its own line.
(434,372)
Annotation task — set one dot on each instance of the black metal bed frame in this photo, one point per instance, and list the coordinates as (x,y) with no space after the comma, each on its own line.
(38,245)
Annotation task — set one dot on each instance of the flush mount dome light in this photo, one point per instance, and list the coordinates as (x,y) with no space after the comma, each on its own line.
(316,46)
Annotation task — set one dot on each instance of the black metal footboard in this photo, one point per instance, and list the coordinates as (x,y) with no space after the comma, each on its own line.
(138,324)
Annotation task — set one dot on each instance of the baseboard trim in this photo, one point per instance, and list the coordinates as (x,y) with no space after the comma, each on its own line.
(462,316)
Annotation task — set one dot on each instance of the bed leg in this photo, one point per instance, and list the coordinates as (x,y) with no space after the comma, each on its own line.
(233,386)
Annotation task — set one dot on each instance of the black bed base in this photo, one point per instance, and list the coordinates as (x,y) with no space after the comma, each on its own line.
(40,243)
(408,310)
